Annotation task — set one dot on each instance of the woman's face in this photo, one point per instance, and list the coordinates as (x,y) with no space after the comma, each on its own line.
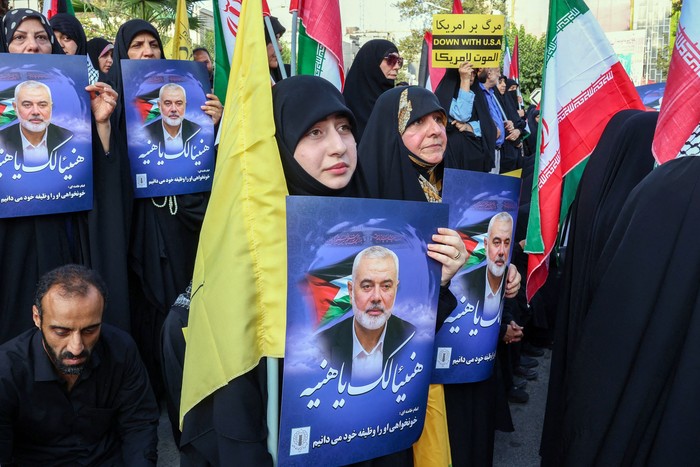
(69,46)
(143,46)
(30,37)
(106,61)
(328,151)
(426,137)
(391,64)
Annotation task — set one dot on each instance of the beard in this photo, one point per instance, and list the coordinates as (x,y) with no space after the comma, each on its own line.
(370,322)
(172,121)
(33,127)
(57,359)
(494,268)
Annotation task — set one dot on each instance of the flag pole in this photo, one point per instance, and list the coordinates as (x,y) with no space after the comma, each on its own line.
(273,409)
(295,27)
(275,45)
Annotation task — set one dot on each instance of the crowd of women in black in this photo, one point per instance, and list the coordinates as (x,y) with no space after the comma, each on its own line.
(145,248)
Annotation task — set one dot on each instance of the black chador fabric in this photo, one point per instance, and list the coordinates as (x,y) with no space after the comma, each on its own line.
(299,102)
(278,29)
(462,144)
(635,379)
(31,246)
(69,25)
(95,47)
(164,232)
(384,160)
(621,159)
(366,81)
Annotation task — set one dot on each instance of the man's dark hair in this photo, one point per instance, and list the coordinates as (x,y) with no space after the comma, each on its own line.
(73,279)
(201,49)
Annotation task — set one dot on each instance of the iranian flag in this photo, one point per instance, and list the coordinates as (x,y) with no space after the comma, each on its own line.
(513,71)
(506,60)
(226,17)
(320,40)
(584,86)
(678,130)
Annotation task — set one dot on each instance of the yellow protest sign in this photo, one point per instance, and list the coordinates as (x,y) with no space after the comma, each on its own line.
(477,39)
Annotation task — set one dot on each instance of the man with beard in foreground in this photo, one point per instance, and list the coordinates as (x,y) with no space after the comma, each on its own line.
(74,390)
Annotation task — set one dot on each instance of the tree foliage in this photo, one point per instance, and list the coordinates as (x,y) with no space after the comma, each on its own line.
(531,57)
(102,18)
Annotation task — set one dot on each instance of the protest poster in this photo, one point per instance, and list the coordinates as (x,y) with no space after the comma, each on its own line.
(170,138)
(340,406)
(483,209)
(477,39)
(45,135)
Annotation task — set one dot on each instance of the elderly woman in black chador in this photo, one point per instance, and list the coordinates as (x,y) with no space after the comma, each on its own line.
(402,156)
(31,246)
(373,72)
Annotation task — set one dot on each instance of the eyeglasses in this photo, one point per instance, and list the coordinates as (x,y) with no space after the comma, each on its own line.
(393,58)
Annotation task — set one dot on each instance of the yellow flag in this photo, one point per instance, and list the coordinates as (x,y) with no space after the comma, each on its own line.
(180,46)
(433,447)
(238,307)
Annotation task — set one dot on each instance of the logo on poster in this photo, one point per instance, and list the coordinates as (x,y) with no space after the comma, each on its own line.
(300,441)
(444,355)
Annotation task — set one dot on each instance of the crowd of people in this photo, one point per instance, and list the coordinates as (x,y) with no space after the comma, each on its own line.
(87,353)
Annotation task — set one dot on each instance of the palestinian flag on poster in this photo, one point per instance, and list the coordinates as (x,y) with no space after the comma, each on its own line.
(7,111)
(226,17)
(473,237)
(328,287)
(148,106)
(678,130)
(584,85)
(320,40)
(53,7)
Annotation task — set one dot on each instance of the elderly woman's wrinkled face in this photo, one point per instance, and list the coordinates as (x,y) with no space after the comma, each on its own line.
(426,137)
(30,37)
(328,151)
(143,46)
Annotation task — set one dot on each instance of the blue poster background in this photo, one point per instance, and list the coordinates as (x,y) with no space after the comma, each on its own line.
(326,420)
(465,345)
(154,172)
(64,183)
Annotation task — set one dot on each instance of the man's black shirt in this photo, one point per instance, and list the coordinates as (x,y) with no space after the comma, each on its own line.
(109,417)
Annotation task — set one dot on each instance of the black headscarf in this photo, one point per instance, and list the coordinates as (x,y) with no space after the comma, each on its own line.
(318,98)
(95,47)
(14,18)
(383,158)
(469,148)
(621,159)
(276,27)
(634,378)
(70,26)
(125,35)
(366,81)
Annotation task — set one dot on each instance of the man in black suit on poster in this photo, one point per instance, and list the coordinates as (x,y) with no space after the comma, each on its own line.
(362,345)
(172,133)
(34,143)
